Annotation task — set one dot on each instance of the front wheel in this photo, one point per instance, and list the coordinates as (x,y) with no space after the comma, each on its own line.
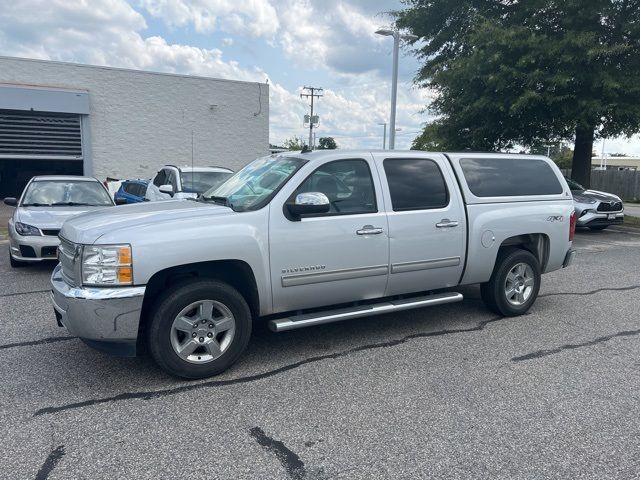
(514,283)
(199,329)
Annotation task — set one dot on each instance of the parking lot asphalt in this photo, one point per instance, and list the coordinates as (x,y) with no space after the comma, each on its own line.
(446,392)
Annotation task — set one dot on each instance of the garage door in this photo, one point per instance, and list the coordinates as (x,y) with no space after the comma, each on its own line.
(37,143)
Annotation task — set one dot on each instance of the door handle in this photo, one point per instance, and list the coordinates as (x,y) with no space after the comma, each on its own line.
(446,223)
(369,230)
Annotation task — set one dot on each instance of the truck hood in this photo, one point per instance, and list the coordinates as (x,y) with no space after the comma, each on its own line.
(51,217)
(148,216)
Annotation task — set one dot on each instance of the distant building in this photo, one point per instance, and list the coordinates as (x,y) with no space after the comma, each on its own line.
(64,118)
(616,163)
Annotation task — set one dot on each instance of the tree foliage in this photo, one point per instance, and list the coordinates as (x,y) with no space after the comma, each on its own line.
(327,143)
(509,72)
(294,143)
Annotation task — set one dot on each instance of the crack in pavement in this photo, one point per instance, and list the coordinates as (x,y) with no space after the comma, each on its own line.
(36,342)
(50,463)
(260,376)
(23,293)
(573,346)
(288,459)
(591,292)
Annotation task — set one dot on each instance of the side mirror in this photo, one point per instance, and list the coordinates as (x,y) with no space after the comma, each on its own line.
(11,201)
(168,189)
(309,203)
(121,201)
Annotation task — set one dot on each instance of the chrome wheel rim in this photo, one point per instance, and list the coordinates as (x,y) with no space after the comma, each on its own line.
(519,284)
(202,331)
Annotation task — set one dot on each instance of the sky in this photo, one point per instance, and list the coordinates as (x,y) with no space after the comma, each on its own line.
(291,43)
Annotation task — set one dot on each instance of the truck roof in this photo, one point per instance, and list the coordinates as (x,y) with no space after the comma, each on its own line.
(318,154)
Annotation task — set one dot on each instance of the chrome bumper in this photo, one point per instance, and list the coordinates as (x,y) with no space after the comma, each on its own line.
(105,318)
(600,218)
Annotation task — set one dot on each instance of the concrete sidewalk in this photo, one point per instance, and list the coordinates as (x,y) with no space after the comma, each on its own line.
(632,209)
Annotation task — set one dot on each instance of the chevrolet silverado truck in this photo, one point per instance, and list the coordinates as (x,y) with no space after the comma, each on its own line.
(302,239)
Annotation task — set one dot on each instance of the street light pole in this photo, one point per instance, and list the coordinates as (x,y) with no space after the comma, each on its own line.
(394,79)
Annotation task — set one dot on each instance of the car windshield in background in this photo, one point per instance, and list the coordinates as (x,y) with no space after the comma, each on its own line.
(253,187)
(199,182)
(65,193)
(573,185)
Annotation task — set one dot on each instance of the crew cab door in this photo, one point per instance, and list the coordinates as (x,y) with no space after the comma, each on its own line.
(427,225)
(335,257)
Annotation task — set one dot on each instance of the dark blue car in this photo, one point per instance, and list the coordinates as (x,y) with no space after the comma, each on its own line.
(131,191)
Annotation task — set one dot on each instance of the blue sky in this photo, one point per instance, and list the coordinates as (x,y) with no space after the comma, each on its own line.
(325,43)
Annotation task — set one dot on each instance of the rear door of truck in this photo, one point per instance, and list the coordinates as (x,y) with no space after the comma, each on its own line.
(426,217)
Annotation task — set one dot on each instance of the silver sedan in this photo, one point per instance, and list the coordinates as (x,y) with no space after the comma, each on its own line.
(45,204)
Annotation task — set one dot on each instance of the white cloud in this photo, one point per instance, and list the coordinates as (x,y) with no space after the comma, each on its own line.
(256,18)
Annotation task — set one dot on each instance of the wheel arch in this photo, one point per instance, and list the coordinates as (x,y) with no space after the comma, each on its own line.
(236,273)
(535,243)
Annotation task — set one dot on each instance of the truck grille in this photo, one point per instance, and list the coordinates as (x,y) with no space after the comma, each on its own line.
(610,206)
(68,255)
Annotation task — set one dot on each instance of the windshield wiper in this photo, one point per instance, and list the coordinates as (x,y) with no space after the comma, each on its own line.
(75,204)
(36,204)
(220,200)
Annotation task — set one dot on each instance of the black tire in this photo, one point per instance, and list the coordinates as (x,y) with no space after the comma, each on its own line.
(158,331)
(16,263)
(493,292)
(598,227)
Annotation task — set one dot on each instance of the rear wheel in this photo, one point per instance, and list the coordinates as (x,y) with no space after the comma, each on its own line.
(199,329)
(514,283)
(598,227)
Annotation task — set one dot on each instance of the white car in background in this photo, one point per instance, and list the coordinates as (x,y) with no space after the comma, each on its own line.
(171,182)
(45,204)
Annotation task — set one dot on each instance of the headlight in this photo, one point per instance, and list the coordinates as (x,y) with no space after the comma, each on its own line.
(27,230)
(107,265)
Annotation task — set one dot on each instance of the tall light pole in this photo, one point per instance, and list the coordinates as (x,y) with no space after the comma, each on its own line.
(397,36)
(384,136)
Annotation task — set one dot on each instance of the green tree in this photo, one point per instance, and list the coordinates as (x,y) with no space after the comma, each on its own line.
(294,143)
(510,73)
(327,143)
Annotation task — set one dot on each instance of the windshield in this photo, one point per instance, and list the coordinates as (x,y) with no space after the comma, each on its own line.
(199,182)
(253,187)
(573,185)
(65,192)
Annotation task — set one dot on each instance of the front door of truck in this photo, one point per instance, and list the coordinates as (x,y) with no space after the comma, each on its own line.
(427,226)
(335,257)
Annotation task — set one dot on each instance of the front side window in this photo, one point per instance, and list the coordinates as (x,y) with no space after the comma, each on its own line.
(415,184)
(252,187)
(65,193)
(346,183)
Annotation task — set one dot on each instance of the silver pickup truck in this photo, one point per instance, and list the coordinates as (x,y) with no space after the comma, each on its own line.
(301,239)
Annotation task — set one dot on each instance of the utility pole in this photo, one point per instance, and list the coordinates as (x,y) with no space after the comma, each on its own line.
(311,92)
(384,136)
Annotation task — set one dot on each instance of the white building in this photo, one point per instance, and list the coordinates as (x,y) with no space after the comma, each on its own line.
(615,163)
(63,118)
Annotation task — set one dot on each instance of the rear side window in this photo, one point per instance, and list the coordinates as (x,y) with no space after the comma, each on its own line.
(509,177)
(415,184)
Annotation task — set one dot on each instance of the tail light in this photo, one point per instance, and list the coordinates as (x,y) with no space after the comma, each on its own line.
(572,225)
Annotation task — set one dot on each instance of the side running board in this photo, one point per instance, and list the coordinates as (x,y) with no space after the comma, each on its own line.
(337,315)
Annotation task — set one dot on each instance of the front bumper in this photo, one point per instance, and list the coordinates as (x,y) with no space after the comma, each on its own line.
(600,218)
(32,248)
(104,318)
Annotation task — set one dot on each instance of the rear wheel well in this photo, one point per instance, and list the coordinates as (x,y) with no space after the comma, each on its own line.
(236,273)
(536,243)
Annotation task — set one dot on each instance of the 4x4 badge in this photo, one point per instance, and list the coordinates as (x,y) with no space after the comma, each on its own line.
(555,218)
